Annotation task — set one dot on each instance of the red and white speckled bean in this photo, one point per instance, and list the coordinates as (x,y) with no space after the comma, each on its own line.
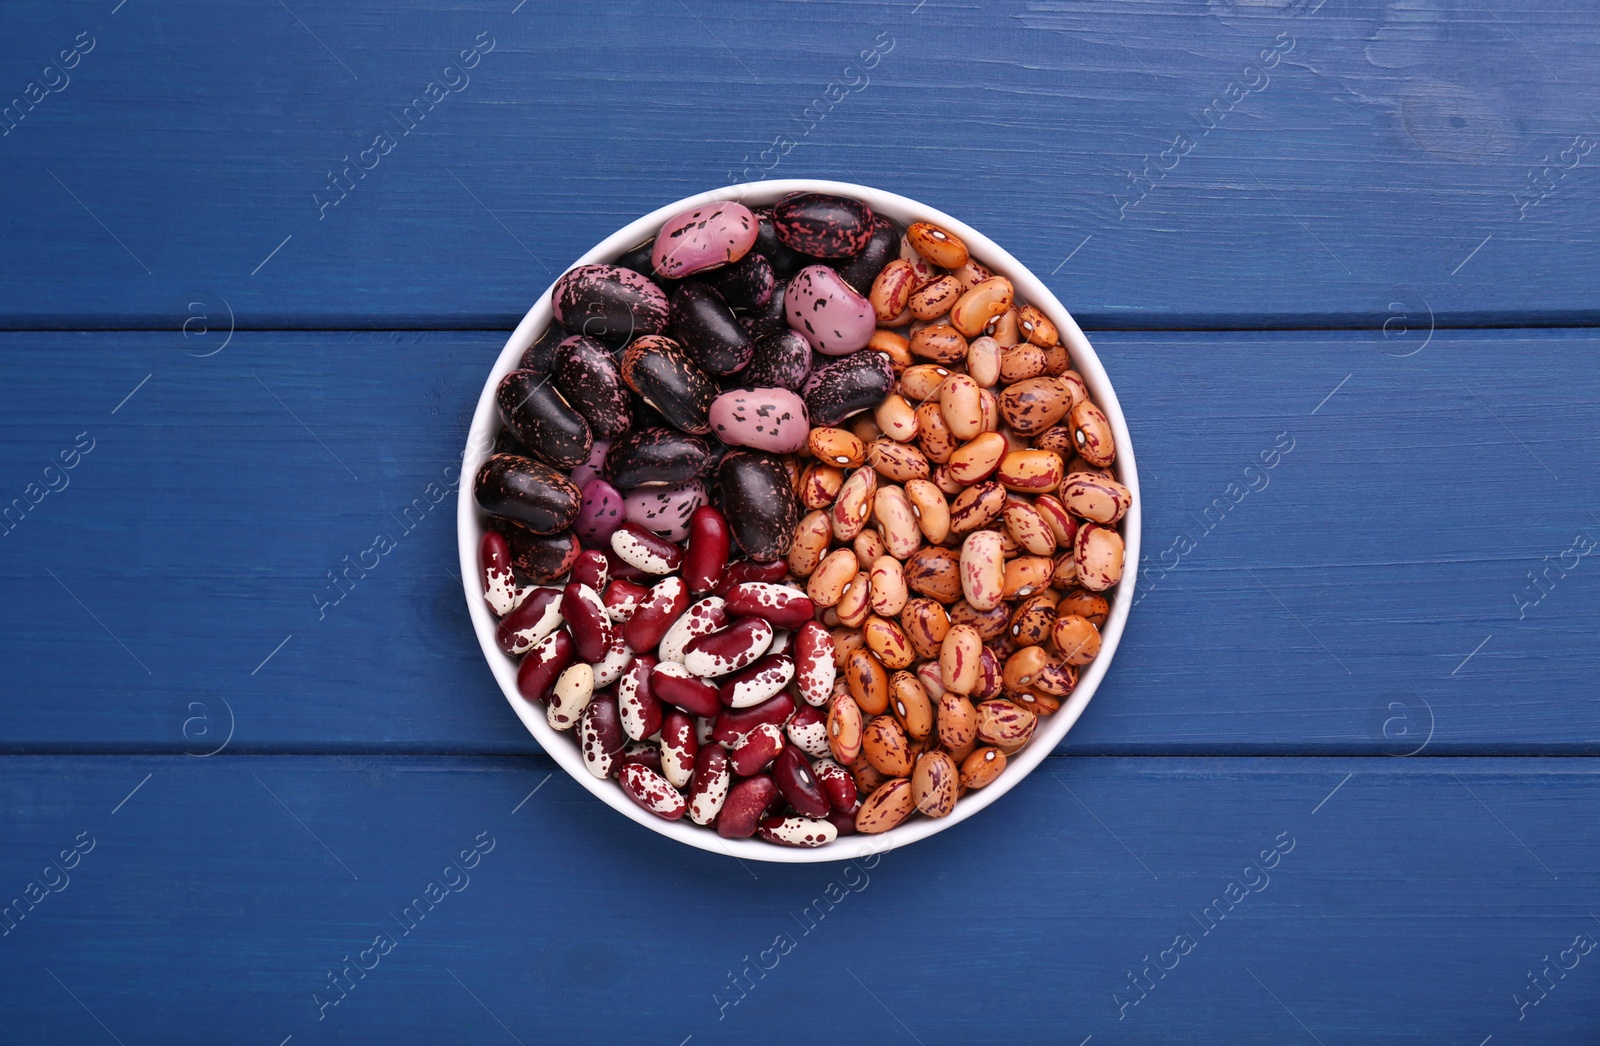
(645,753)
(779,605)
(600,735)
(570,696)
(500,589)
(655,614)
(808,731)
(618,657)
(734,723)
(708,789)
(679,746)
(838,784)
(815,667)
(639,708)
(676,685)
(586,616)
(641,549)
(758,682)
(792,770)
(710,543)
(729,650)
(592,568)
(540,666)
(652,791)
(534,618)
(798,831)
(756,750)
(622,598)
(701,619)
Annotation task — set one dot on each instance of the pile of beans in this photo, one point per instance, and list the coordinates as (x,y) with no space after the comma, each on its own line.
(800,520)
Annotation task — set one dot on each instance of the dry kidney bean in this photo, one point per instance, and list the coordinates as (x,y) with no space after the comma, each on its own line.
(982,302)
(1091,434)
(779,605)
(611,665)
(931,509)
(935,784)
(939,342)
(922,381)
(732,724)
(934,299)
(1003,723)
(886,807)
(867,681)
(792,772)
(991,624)
(747,803)
(982,767)
(1095,498)
(935,572)
(652,791)
(926,624)
(853,506)
(977,583)
(897,461)
(571,694)
(798,831)
(708,787)
(976,506)
(939,246)
(543,663)
(977,459)
(811,539)
(827,582)
(756,750)
(808,731)
(704,617)
(538,615)
(884,745)
(868,545)
(1097,553)
(815,670)
(844,728)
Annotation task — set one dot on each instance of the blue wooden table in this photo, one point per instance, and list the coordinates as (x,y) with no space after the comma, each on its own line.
(1341,785)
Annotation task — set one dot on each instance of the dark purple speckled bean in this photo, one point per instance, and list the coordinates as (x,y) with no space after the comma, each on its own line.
(659,457)
(823,225)
(848,386)
(785,260)
(781,359)
(748,283)
(542,420)
(883,247)
(590,380)
(666,378)
(535,495)
(610,303)
(704,325)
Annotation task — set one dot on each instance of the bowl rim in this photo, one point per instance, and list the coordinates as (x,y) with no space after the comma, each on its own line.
(1051,730)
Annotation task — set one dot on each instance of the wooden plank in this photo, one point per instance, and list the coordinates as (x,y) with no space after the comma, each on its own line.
(218,894)
(1392,538)
(1388,160)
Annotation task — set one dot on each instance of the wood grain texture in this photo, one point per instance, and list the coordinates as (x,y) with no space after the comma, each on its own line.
(1406,903)
(1393,534)
(1393,158)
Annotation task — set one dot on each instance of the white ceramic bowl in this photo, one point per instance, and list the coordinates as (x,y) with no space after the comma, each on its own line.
(470,525)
